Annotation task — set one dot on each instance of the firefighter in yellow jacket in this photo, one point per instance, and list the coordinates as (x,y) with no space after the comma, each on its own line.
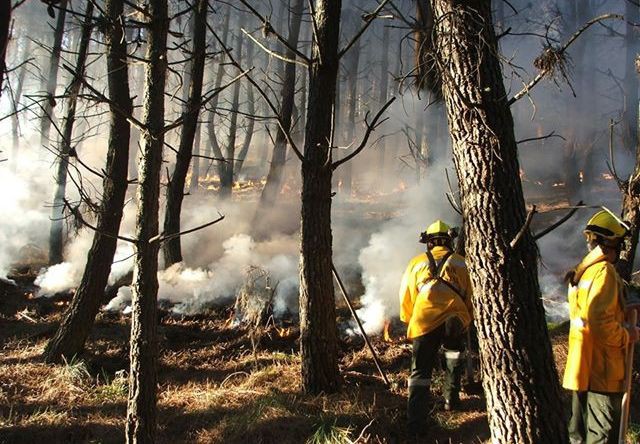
(598,337)
(435,302)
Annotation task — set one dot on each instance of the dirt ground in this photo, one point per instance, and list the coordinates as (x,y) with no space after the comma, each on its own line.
(214,386)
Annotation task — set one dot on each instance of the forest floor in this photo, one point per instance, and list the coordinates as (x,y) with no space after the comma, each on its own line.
(213,386)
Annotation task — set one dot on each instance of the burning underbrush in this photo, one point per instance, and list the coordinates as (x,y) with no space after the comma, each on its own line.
(217,382)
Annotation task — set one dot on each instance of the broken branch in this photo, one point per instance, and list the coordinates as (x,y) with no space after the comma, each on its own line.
(162,237)
(370,128)
(516,240)
(559,222)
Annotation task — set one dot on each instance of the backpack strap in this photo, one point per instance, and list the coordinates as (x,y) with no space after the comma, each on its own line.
(436,272)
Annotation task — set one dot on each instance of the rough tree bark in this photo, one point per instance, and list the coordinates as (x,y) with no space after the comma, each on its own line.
(52,79)
(518,370)
(56,243)
(318,331)
(76,325)
(276,169)
(143,355)
(175,188)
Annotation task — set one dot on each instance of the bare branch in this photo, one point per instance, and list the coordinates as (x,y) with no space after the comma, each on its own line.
(543,72)
(548,136)
(370,128)
(275,54)
(78,217)
(527,223)
(559,222)
(162,237)
(368,19)
(270,29)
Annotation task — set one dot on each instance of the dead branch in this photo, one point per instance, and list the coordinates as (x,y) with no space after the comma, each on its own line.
(451,197)
(79,219)
(527,223)
(275,54)
(270,30)
(548,136)
(558,223)
(162,237)
(611,164)
(264,95)
(556,54)
(368,19)
(370,128)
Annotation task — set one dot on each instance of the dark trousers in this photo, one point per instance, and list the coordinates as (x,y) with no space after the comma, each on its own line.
(450,336)
(595,418)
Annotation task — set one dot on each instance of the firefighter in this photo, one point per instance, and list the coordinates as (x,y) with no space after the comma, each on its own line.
(598,337)
(435,302)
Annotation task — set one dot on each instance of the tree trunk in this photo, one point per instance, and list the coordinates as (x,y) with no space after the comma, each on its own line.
(519,375)
(631,209)
(76,325)
(143,355)
(5,22)
(276,169)
(175,188)
(195,165)
(57,214)
(228,167)
(352,85)
(382,99)
(15,120)
(214,145)
(52,79)
(632,16)
(251,123)
(318,331)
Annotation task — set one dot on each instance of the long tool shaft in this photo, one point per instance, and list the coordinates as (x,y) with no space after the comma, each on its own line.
(626,398)
(355,316)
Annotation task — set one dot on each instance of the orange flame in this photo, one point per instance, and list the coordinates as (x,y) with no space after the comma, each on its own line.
(284,332)
(385,332)
(581,176)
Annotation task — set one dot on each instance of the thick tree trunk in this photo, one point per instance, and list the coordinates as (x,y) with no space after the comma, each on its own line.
(143,355)
(56,244)
(76,325)
(175,188)
(519,375)
(318,331)
(15,119)
(52,79)
(276,169)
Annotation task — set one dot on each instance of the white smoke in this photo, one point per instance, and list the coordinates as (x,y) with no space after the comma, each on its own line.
(390,249)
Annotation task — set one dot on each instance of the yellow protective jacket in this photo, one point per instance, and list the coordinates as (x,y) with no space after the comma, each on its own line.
(597,338)
(425,302)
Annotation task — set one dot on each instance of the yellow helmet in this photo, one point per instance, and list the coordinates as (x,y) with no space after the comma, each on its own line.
(438,229)
(605,225)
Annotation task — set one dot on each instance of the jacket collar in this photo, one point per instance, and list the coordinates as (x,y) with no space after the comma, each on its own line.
(596,255)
